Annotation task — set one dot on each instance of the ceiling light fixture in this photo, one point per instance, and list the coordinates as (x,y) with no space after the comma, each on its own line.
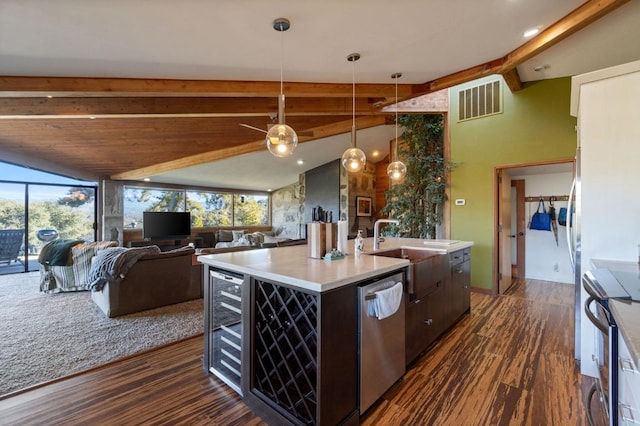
(396,170)
(531,32)
(281,139)
(353,158)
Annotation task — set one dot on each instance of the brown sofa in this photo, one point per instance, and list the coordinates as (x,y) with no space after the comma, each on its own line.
(155,280)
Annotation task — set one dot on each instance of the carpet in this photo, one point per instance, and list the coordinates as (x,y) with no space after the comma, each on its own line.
(47,336)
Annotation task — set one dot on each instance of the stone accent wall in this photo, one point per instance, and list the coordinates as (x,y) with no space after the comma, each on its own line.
(362,184)
(287,210)
(112,207)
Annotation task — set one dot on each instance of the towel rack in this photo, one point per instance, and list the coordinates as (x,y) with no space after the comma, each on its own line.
(383,286)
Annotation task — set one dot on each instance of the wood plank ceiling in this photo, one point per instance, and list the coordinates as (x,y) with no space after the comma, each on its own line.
(96,128)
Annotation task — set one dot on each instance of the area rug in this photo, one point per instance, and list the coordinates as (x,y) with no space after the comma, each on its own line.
(47,336)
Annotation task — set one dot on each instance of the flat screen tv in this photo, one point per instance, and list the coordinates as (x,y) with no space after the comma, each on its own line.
(166,225)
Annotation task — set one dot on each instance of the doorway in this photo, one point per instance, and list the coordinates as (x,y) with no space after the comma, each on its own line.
(519,252)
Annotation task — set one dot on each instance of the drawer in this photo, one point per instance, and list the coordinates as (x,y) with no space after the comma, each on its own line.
(628,385)
(628,406)
(460,256)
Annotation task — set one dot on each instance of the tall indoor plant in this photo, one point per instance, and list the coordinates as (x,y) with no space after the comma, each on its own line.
(417,201)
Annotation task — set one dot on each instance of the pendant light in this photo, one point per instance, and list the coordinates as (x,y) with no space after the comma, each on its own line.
(353,158)
(281,139)
(396,170)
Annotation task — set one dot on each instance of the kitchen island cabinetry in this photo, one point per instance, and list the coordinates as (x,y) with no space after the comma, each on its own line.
(295,335)
(460,286)
(445,299)
(300,361)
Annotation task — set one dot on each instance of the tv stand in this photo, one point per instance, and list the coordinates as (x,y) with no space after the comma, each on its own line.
(166,245)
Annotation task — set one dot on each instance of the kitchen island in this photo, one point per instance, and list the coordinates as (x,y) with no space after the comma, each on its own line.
(282,329)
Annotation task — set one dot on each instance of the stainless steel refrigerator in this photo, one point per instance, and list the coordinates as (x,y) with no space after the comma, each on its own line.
(606,216)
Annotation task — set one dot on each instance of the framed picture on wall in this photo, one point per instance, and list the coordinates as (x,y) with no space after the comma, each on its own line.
(363,206)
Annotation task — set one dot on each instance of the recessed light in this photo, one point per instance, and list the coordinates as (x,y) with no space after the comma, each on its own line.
(146,179)
(91,117)
(301,162)
(375,153)
(531,32)
(49,96)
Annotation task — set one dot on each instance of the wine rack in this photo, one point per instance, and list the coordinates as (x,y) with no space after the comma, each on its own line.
(286,344)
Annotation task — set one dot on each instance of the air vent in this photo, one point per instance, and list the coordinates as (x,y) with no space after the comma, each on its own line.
(480,101)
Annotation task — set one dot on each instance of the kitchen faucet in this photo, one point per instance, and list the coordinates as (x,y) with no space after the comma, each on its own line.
(377,239)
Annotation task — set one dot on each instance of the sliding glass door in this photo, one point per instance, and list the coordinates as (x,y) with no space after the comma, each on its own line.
(32,214)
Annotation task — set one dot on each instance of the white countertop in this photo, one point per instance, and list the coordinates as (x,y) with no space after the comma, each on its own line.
(627,314)
(291,265)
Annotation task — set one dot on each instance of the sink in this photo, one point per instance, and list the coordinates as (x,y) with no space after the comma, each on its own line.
(414,255)
(427,270)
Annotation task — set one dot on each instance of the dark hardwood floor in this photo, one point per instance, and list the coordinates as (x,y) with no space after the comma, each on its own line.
(508,363)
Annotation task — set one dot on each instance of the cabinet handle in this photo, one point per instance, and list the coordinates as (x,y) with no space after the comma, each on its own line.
(428,321)
(626,414)
(627,365)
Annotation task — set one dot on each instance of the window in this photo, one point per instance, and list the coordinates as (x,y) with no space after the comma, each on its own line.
(42,207)
(250,210)
(208,208)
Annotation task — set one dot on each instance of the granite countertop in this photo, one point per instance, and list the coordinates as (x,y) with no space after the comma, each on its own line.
(627,314)
(291,265)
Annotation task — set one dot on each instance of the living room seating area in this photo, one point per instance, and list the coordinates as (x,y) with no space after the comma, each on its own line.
(121,280)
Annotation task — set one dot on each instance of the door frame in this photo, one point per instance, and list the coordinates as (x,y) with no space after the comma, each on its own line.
(520,232)
(497,200)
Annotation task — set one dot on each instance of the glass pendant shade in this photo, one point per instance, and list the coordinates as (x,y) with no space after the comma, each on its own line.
(281,140)
(396,170)
(353,159)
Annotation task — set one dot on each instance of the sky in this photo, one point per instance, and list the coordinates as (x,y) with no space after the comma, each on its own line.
(12,173)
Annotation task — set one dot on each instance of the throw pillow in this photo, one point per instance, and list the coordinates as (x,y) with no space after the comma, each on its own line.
(237,235)
(224,236)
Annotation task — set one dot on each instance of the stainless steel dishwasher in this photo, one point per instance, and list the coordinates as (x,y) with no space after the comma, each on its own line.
(381,343)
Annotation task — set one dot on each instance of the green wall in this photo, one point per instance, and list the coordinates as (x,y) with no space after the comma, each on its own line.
(535,126)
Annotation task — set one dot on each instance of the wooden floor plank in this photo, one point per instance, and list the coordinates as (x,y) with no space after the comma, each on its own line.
(510,362)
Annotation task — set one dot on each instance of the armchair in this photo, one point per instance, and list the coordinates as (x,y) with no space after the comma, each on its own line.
(11,241)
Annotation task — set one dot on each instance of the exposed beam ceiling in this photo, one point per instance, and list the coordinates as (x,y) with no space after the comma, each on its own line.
(129,124)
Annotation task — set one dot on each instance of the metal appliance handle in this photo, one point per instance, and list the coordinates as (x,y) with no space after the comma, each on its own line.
(592,317)
(570,243)
(587,403)
(226,277)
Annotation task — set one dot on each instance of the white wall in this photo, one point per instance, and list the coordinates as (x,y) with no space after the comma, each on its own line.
(545,259)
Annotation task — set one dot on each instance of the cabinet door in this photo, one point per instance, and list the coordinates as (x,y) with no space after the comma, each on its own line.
(460,289)
(437,312)
(426,319)
(416,329)
(223,322)
(466,286)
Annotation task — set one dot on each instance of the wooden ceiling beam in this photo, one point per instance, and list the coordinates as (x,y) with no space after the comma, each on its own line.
(13,87)
(318,132)
(578,19)
(25,108)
